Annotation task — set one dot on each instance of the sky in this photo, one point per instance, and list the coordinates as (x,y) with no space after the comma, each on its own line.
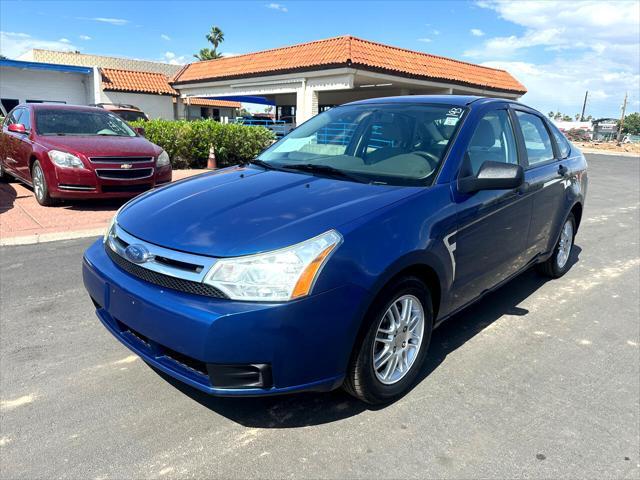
(557,49)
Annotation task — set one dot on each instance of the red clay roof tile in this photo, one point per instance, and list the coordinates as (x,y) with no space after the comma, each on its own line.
(354,52)
(133,81)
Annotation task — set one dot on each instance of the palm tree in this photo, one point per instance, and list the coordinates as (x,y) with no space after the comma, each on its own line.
(216,37)
(206,54)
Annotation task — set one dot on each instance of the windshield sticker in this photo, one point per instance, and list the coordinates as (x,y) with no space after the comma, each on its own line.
(449,121)
(454,112)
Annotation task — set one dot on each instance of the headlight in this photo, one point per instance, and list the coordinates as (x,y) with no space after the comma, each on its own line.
(110,228)
(163,159)
(275,276)
(64,159)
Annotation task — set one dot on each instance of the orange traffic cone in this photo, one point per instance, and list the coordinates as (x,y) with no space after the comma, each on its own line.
(211,162)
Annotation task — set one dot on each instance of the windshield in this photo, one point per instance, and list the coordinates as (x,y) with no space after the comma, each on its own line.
(130,115)
(400,144)
(80,122)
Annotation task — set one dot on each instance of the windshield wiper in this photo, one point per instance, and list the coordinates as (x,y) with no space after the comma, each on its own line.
(263,164)
(329,171)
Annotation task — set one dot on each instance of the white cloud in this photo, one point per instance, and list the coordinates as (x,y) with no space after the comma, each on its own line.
(561,25)
(173,59)
(64,40)
(566,48)
(425,40)
(112,21)
(277,6)
(165,37)
(476,32)
(14,44)
(560,83)
(85,37)
(435,32)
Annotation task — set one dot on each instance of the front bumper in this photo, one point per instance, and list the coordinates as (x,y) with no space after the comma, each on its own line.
(74,183)
(300,345)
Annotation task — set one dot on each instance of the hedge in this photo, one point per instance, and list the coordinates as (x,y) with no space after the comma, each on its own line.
(188,142)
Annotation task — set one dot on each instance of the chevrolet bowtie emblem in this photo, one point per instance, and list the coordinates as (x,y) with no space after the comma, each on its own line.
(126,165)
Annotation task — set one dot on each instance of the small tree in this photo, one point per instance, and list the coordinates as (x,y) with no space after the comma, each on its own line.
(632,124)
(551,114)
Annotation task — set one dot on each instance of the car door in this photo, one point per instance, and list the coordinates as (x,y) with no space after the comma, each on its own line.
(23,146)
(546,177)
(9,143)
(492,225)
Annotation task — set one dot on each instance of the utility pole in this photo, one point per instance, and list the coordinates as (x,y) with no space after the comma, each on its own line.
(624,108)
(584,105)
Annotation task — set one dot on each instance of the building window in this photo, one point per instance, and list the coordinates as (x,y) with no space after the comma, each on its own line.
(9,104)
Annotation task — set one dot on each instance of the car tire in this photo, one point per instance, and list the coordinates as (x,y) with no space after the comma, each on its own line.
(389,332)
(558,264)
(40,187)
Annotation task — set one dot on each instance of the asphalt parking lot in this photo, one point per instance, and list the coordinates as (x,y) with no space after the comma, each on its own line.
(539,380)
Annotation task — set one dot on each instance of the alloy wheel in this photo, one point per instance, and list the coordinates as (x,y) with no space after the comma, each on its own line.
(38,182)
(398,339)
(564,246)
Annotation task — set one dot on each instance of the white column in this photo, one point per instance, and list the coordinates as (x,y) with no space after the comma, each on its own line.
(306,103)
(97,85)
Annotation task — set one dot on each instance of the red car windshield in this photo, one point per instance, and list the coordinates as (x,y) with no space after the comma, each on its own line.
(82,123)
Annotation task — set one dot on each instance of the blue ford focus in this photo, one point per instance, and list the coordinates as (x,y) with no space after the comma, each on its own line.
(329,259)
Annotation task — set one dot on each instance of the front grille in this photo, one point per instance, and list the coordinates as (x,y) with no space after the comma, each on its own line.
(165,281)
(123,174)
(120,159)
(139,187)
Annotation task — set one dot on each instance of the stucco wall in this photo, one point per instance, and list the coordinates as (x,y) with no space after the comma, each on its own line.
(22,84)
(155,106)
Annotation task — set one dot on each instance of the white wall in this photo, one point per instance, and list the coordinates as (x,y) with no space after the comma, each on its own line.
(29,84)
(155,106)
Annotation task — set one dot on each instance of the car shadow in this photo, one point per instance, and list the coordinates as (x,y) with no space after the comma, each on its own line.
(306,409)
(8,195)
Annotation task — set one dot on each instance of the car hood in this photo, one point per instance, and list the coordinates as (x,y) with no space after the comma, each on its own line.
(98,146)
(240,211)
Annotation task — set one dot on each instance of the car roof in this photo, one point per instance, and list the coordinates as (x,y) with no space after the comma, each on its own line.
(456,100)
(61,106)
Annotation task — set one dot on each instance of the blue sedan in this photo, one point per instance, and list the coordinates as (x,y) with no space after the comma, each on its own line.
(329,259)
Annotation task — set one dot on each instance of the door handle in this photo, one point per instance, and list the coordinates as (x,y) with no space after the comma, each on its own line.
(563,171)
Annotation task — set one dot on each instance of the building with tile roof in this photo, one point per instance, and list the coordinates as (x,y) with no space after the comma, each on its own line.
(304,79)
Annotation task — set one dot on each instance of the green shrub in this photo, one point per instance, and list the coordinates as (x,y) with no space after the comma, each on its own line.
(188,143)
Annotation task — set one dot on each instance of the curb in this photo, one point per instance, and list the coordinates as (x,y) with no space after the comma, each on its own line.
(50,237)
(593,151)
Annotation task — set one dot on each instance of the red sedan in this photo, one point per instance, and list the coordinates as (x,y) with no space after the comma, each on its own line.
(67,151)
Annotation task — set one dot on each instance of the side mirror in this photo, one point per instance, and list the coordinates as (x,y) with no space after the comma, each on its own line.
(493,176)
(139,131)
(17,128)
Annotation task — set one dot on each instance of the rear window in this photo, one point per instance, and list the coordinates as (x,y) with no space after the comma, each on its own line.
(563,144)
(536,138)
(130,116)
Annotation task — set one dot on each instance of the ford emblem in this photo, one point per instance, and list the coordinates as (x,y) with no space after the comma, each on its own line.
(137,253)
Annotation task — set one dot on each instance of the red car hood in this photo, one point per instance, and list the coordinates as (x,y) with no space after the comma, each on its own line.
(101,145)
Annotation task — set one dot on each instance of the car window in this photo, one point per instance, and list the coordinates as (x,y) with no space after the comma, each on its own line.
(536,138)
(493,140)
(564,147)
(81,122)
(25,119)
(13,117)
(383,143)
(130,116)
